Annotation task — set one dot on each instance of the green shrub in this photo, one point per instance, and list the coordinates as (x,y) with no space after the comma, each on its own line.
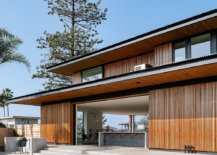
(2,125)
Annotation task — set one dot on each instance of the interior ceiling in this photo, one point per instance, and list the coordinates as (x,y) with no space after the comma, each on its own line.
(124,106)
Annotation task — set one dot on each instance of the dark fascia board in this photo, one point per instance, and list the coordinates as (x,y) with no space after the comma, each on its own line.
(163,67)
(50,68)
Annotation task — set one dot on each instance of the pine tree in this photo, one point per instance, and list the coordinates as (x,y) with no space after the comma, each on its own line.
(80,19)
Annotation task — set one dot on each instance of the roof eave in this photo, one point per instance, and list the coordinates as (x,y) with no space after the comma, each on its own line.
(165,29)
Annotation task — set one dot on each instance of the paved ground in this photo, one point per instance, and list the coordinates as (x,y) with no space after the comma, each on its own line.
(94,150)
(130,153)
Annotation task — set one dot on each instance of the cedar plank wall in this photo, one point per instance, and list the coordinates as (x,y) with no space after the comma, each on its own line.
(126,66)
(160,56)
(58,122)
(184,115)
(163,54)
(76,78)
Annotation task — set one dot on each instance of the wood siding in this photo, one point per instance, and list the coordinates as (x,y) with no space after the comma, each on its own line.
(76,78)
(127,65)
(184,115)
(160,56)
(58,123)
(163,54)
(28,130)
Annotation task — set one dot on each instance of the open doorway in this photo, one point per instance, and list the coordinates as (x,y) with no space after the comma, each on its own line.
(123,117)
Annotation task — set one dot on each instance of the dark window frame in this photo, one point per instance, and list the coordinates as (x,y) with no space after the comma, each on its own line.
(173,49)
(188,52)
(103,74)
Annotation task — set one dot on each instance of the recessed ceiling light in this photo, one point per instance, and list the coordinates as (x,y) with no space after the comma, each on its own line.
(138,82)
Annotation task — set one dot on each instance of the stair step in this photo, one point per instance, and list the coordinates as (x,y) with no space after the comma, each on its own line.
(66,150)
(58,152)
(102,153)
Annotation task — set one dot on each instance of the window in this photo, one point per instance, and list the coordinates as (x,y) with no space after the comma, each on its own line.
(92,74)
(195,47)
(141,123)
(200,46)
(179,51)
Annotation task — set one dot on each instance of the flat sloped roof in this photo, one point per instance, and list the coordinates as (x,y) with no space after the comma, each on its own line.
(180,71)
(140,44)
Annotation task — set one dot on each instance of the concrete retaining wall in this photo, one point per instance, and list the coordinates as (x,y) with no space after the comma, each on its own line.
(5,132)
(33,144)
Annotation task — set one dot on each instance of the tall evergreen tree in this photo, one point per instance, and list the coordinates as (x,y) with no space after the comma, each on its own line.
(80,19)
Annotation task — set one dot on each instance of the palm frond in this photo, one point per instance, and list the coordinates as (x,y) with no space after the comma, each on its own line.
(5,96)
(15,57)
(8,45)
(5,34)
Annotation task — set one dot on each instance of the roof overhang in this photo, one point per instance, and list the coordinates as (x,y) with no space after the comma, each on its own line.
(138,45)
(19,117)
(190,69)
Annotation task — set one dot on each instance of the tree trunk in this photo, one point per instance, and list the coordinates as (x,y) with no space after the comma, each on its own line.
(4,111)
(73,28)
(8,109)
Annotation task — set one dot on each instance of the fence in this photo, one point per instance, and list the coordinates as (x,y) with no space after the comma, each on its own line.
(30,130)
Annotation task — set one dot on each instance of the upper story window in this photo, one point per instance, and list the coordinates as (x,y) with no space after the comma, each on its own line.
(200,46)
(179,51)
(92,74)
(195,47)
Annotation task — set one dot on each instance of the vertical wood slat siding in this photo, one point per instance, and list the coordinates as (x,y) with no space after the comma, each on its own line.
(184,115)
(76,78)
(127,65)
(57,122)
(160,56)
(163,54)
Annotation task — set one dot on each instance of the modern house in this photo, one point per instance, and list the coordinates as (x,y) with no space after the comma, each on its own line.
(169,73)
(12,121)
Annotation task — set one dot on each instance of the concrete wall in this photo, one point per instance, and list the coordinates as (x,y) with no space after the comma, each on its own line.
(5,132)
(33,144)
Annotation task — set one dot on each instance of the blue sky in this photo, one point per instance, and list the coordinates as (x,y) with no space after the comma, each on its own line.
(126,18)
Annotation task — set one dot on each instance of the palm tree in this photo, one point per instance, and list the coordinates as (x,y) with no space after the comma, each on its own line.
(8,46)
(5,96)
(2,105)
